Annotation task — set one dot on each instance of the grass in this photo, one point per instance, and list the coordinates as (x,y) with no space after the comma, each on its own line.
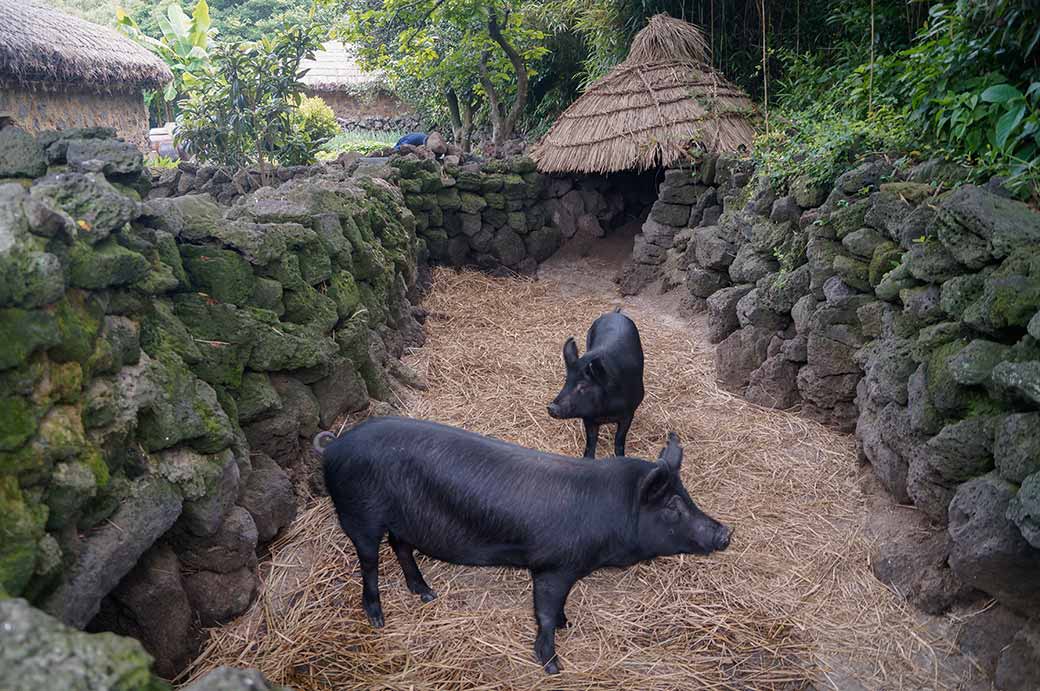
(362,141)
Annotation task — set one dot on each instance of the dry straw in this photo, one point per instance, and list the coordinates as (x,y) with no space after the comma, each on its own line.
(42,47)
(791,601)
(650,109)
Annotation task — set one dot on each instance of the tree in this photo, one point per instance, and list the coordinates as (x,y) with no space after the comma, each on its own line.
(458,52)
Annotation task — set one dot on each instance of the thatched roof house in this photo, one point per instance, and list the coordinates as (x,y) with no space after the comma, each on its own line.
(59,71)
(650,109)
(353,93)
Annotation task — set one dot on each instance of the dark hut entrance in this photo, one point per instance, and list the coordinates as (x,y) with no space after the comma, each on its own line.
(645,137)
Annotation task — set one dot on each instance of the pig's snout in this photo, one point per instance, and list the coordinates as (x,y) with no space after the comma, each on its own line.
(554,410)
(722,537)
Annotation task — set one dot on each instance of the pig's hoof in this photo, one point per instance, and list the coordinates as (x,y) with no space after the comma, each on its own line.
(376,618)
(428,596)
(552,667)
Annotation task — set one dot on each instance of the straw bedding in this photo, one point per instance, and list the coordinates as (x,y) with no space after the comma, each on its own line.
(792,601)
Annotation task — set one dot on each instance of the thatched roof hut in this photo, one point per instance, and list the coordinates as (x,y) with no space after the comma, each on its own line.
(650,109)
(58,71)
(358,97)
(44,48)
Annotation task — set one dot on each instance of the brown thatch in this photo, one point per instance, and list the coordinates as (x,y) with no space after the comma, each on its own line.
(42,47)
(335,68)
(649,110)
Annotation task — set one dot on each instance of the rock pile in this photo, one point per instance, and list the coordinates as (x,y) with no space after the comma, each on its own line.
(163,366)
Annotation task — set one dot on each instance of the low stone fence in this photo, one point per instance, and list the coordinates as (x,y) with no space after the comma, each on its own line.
(894,306)
(164,365)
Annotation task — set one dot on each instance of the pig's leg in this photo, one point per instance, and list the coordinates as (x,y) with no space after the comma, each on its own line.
(412,575)
(550,593)
(591,437)
(368,556)
(622,434)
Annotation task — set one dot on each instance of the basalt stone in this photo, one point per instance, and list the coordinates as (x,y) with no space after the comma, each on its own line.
(932,262)
(634,276)
(722,311)
(820,254)
(95,207)
(219,597)
(42,654)
(989,552)
(959,452)
(679,194)
(785,209)
(232,547)
(826,391)
(887,256)
(230,679)
(922,304)
(916,566)
(1024,509)
(740,354)
(508,247)
(986,634)
(712,249)
(644,252)
(1016,446)
(894,282)
(658,233)
(1006,302)
(268,497)
(974,364)
(703,283)
(1021,378)
(749,265)
(887,370)
(115,157)
(853,272)
(807,193)
(675,215)
(773,384)
(862,242)
(847,219)
(1019,663)
(751,310)
(711,215)
(802,311)
(543,243)
(111,550)
(342,391)
(587,225)
(150,605)
(978,226)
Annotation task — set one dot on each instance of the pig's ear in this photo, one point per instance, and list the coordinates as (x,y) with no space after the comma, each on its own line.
(672,454)
(570,352)
(595,370)
(657,485)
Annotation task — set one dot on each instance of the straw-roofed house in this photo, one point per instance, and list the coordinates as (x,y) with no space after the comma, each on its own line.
(650,109)
(58,71)
(350,91)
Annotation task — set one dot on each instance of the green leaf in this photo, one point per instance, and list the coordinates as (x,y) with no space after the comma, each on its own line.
(179,21)
(1000,93)
(1007,124)
(201,23)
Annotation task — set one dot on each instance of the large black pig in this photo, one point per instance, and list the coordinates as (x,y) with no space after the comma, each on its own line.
(605,385)
(468,499)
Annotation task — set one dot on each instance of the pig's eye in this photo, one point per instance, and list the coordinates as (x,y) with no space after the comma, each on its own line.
(671,514)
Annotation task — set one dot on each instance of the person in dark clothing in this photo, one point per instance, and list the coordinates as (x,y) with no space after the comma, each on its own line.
(413,138)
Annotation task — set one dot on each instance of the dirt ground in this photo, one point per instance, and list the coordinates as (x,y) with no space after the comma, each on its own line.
(791,604)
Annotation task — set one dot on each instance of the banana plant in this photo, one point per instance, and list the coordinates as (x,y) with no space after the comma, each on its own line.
(184,45)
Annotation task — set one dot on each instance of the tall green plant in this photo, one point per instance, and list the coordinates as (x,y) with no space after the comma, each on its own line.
(242,109)
(184,46)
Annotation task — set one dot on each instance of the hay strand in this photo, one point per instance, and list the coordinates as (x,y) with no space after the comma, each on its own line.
(791,603)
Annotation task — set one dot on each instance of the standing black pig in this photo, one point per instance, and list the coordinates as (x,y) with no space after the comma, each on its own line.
(605,384)
(468,499)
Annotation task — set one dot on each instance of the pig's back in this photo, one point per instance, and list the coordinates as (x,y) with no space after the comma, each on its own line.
(465,498)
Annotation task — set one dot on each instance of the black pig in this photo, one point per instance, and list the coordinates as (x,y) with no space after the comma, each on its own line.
(468,499)
(605,385)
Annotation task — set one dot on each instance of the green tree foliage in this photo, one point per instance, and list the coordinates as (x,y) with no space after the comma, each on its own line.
(243,110)
(184,45)
(448,55)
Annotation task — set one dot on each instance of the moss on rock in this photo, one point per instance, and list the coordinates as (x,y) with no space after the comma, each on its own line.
(20,531)
(78,317)
(23,333)
(106,264)
(222,274)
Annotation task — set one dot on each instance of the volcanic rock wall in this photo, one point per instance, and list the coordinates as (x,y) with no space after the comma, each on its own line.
(163,367)
(894,306)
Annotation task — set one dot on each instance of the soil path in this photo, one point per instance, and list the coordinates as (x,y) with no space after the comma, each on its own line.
(792,604)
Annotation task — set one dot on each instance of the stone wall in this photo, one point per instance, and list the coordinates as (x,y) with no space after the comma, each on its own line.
(501,215)
(352,106)
(163,368)
(47,108)
(893,306)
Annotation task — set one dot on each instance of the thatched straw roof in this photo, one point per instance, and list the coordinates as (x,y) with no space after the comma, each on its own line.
(649,109)
(40,46)
(335,68)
